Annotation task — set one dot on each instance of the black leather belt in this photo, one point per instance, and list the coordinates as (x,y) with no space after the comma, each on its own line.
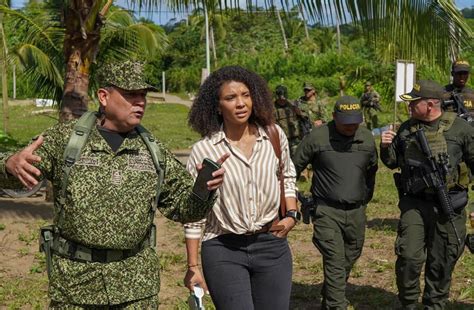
(338,205)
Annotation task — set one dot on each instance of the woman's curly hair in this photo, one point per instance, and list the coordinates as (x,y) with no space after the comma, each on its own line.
(204,117)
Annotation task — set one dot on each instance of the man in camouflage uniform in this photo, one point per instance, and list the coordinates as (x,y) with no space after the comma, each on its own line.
(287,117)
(425,235)
(370,102)
(460,72)
(314,112)
(102,251)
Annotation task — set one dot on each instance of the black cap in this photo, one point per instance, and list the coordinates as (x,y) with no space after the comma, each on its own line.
(461,66)
(424,89)
(348,110)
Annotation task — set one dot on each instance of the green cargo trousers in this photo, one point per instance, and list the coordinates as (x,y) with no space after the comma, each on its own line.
(151,302)
(426,237)
(339,233)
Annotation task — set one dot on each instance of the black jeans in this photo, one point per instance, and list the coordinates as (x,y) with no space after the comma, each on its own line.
(248,272)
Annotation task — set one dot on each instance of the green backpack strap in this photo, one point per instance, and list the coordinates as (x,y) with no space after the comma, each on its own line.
(72,153)
(157,160)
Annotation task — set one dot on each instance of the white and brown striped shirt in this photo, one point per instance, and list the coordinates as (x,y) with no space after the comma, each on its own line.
(249,197)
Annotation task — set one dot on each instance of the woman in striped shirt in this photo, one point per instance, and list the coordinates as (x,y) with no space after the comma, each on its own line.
(245,265)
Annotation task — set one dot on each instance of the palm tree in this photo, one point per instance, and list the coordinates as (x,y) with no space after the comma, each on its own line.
(49,42)
(216,25)
(427,31)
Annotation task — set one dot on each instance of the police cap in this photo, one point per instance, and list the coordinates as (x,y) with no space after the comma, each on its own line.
(128,75)
(461,66)
(424,89)
(348,110)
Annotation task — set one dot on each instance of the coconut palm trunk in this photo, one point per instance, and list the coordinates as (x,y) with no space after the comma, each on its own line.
(83,21)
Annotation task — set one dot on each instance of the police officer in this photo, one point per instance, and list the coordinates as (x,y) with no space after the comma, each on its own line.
(425,236)
(370,101)
(101,246)
(344,160)
(313,109)
(287,116)
(460,72)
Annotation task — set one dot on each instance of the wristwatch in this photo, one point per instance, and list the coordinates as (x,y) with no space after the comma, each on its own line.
(295,214)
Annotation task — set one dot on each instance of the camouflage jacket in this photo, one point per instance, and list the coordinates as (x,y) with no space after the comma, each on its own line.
(314,110)
(108,206)
(370,99)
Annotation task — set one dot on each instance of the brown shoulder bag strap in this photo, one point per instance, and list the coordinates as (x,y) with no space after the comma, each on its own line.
(272,133)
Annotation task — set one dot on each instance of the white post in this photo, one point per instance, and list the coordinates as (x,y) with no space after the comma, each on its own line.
(14,81)
(163,84)
(208,56)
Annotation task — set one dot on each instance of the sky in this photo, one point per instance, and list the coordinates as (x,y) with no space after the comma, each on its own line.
(163,15)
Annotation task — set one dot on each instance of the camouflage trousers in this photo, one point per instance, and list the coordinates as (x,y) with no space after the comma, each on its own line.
(146,303)
(370,118)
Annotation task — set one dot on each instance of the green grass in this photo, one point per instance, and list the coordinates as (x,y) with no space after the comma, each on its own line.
(168,122)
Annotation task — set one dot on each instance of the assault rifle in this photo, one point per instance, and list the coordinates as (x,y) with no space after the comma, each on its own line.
(371,103)
(457,104)
(435,174)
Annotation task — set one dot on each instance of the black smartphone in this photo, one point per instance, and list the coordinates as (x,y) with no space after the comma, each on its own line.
(205,175)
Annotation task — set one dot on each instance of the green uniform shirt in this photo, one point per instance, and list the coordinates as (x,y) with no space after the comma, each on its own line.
(459,140)
(343,167)
(108,206)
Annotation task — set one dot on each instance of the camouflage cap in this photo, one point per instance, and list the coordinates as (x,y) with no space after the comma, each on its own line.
(424,89)
(128,75)
(348,110)
(368,83)
(308,85)
(461,66)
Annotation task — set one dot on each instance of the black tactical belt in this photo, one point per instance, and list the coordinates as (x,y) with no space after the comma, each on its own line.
(78,252)
(338,205)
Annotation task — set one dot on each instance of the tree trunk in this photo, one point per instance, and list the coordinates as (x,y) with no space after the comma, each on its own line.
(213,44)
(285,42)
(4,65)
(83,21)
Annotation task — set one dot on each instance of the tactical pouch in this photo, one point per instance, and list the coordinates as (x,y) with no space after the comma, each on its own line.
(45,245)
(470,242)
(458,199)
(397,179)
(308,208)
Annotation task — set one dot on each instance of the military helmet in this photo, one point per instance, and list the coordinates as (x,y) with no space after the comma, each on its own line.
(281,91)
(128,75)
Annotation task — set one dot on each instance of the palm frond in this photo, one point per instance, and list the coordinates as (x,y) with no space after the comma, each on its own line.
(40,70)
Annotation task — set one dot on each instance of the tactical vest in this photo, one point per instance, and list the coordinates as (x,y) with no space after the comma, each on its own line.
(51,239)
(412,176)
(288,120)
